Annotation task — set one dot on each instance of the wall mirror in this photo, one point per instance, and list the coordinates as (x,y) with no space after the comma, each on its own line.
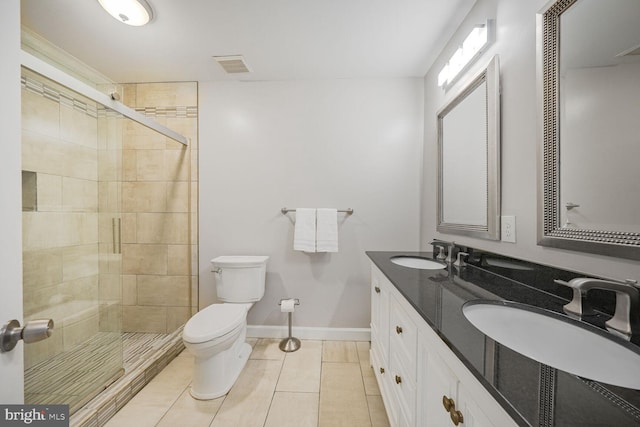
(469,158)
(589,78)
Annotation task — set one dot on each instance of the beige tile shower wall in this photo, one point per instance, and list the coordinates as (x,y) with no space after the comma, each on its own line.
(60,237)
(159,201)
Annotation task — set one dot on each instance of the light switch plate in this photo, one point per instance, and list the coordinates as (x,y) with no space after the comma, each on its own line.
(508,228)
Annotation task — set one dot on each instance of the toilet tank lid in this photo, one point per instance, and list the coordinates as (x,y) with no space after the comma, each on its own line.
(239,261)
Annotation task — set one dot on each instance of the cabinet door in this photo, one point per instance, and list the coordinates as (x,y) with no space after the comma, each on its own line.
(404,388)
(380,317)
(403,336)
(438,383)
(473,415)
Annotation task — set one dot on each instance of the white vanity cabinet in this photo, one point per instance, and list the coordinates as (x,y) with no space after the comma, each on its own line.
(445,400)
(393,347)
(418,374)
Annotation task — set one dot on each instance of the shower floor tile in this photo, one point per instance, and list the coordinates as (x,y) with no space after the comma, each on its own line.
(137,346)
(75,376)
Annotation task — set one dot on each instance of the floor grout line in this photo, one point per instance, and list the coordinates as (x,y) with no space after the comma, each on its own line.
(273,394)
(174,403)
(285,401)
(321,370)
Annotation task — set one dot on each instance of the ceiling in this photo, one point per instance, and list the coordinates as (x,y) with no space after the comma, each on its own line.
(279,39)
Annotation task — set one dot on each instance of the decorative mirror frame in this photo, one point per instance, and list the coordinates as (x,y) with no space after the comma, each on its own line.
(550,231)
(491,231)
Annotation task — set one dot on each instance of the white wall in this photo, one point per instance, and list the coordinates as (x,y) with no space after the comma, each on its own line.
(317,143)
(11,363)
(516,45)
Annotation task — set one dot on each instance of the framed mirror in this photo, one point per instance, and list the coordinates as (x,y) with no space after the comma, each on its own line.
(589,88)
(469,158)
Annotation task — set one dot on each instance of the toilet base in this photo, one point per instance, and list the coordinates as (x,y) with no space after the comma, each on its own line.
(214,377)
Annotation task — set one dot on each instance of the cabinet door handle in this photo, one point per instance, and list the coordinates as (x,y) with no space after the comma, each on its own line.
(377,289)
(448,403)
(456,417)
(381,370)
(398,379)
(398,330)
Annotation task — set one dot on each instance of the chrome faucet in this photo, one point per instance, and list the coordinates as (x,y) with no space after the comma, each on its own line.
(448,247)
(625,320)
(450,253)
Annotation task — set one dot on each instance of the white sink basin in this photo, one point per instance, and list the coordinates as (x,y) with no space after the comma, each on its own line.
(417,262)
(558,341)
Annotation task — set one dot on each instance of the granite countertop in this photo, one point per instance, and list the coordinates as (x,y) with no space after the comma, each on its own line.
(532,393)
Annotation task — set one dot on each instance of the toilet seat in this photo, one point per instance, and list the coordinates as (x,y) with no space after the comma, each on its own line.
(213,322)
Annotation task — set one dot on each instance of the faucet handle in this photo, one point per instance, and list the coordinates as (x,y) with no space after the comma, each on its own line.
(459,261)
(441,256)
(578,305)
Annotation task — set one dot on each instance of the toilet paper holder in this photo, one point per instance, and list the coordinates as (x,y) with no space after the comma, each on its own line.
(33,331)
(290,343)
(296,301)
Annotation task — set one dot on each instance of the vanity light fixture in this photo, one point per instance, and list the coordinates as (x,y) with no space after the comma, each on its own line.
(130,12)
(464,56)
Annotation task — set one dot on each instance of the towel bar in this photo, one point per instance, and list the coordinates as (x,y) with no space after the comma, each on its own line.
(285,211)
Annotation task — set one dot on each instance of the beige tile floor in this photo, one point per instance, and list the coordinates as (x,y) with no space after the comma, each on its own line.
(324,384)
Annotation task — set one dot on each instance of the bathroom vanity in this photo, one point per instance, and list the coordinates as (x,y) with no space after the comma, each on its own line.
(434,368)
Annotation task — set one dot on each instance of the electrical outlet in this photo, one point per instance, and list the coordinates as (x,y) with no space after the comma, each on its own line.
(508,228)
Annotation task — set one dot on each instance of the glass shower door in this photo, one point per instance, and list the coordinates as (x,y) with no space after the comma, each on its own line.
(71,178)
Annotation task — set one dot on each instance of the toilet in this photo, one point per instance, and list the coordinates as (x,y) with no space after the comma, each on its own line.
(216,335)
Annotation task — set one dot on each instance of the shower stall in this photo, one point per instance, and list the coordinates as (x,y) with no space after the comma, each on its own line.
(109,232)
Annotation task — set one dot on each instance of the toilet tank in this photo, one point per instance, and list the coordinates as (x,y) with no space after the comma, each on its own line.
(240,279)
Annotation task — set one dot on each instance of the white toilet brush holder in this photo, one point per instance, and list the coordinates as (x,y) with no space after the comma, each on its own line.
(289,344)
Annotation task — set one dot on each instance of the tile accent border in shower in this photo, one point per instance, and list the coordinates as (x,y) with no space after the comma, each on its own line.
(181,112)
(56,95)
(100,410)
(52,93)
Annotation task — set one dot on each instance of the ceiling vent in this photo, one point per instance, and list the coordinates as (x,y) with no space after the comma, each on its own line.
(232,64)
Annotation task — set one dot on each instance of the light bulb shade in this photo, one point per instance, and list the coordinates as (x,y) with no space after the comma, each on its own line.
(130,12)
(473,45)
(443,76)
(476,40)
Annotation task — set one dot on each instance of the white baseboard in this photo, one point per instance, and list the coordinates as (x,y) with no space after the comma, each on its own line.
(310,333)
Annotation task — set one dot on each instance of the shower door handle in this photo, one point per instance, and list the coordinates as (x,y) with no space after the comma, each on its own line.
(116,229)
(33,331)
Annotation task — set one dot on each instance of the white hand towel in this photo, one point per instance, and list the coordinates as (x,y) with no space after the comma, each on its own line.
(304,233)
(327,230)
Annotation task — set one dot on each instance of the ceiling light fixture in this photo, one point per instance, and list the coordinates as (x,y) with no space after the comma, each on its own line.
(130,12)
(465,55)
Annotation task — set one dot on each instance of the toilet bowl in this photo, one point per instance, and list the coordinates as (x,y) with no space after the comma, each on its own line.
(216,335)
(216,338)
